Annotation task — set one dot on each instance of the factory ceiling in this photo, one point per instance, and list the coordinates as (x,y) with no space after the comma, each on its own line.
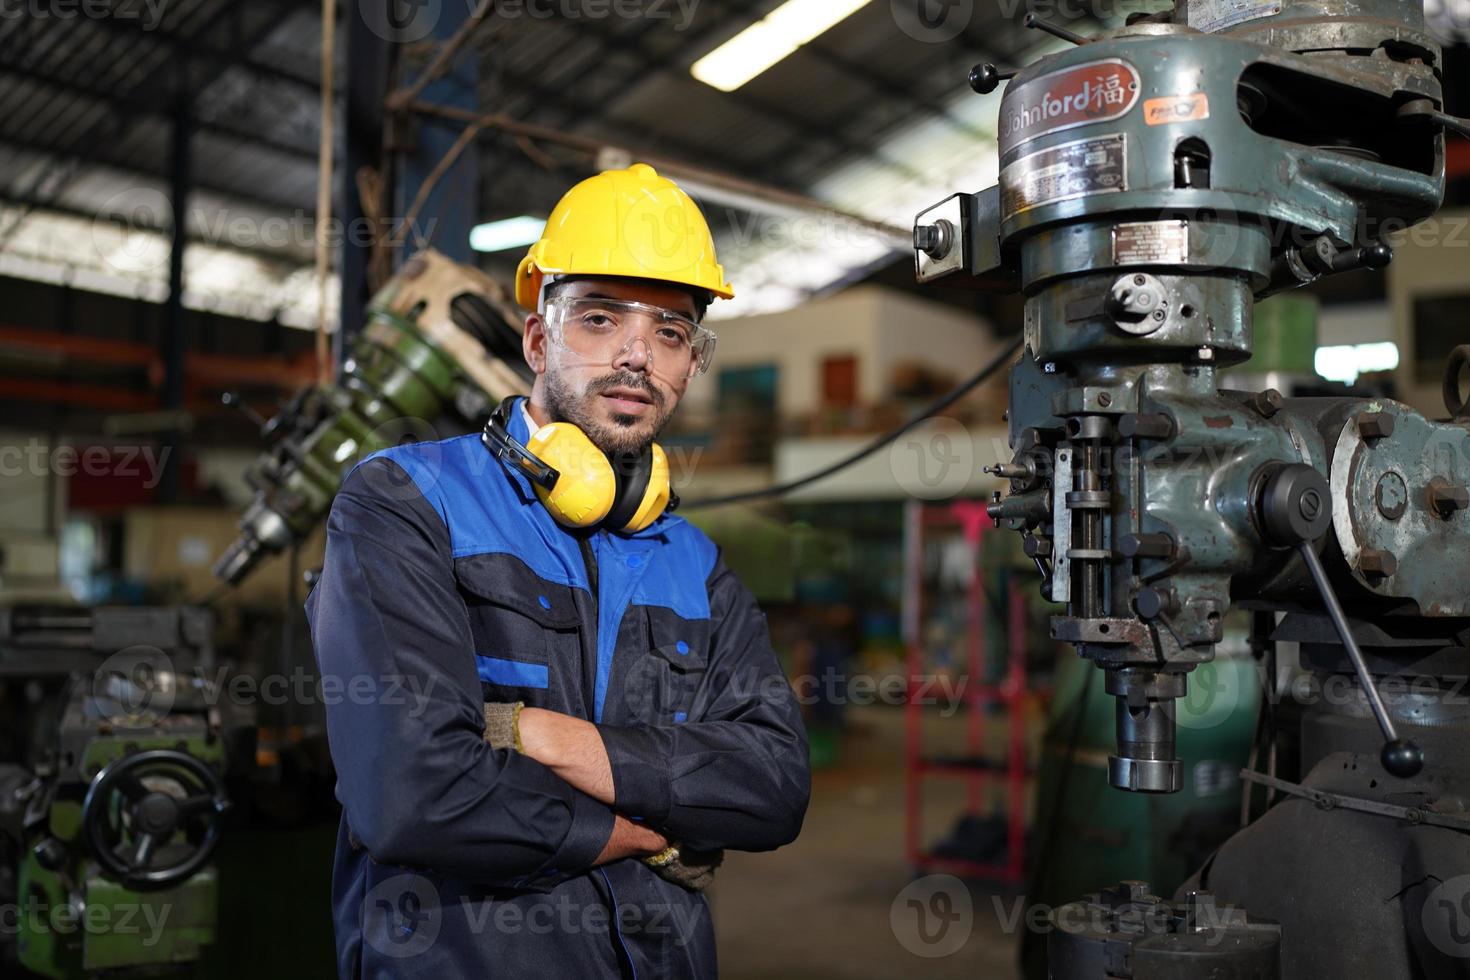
(869,118)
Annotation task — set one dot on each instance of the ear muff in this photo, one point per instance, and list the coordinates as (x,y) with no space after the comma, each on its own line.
(576,481)
(586,488)
(643,490)
(653,498)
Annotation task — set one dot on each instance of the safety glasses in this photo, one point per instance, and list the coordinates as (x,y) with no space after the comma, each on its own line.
(602,330)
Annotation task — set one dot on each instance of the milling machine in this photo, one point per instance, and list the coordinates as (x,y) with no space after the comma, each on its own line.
(442,339)
(1157,181)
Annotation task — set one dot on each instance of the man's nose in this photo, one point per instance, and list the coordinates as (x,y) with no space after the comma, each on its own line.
(635,355)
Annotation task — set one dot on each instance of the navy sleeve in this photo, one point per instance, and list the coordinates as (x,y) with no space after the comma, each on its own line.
(404,707)
(737,774)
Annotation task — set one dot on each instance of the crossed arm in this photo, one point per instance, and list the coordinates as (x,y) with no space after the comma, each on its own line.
(421,788)
(572,749)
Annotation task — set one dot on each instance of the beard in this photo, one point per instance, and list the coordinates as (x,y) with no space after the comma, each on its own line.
(620,434)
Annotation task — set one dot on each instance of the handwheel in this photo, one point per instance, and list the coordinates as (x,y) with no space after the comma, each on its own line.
(152,819)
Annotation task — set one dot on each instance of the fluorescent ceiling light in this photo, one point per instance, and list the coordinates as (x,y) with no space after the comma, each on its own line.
(1345,363)
(767,41)
(497,236)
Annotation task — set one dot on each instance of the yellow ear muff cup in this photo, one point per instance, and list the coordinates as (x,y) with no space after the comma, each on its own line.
(655,495)
(587,487)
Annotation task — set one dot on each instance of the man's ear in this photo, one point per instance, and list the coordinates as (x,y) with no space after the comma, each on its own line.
(533,343)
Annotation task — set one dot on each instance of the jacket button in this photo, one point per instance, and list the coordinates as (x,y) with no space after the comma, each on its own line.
(682,647)
(545,602)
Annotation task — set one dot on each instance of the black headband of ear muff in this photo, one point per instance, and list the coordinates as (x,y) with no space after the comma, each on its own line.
(632,472)
(503,445)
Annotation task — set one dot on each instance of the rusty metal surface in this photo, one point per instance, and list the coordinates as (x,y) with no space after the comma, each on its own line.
(1423,543)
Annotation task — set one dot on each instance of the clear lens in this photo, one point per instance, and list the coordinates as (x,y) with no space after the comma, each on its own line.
(599,330)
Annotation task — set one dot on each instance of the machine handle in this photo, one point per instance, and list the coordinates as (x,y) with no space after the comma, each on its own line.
(1424,109)
(232,399)
(986,78)
(1295,510)
(1400,756)
(1035,23)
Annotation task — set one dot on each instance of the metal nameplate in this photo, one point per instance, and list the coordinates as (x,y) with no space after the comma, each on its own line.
(1063,173)
(1151,243)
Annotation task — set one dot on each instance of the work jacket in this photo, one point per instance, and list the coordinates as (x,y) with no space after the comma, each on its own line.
(446,586)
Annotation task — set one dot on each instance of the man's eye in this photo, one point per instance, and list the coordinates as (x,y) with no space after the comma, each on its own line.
(598,321)
(673,335)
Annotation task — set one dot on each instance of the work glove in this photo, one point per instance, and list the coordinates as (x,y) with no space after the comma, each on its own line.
(503,725)
(686,868)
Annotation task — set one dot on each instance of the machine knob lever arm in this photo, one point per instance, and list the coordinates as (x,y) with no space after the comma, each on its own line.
(1295,510)
(1425,110)
(986,78)
(1399,756)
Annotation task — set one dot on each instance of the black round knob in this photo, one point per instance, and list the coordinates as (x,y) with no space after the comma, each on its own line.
(1378,256)
(1295,504)
(157,813)
(1402,758)
(986,78)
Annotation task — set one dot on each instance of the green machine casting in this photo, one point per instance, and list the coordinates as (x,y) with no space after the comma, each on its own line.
(441,339)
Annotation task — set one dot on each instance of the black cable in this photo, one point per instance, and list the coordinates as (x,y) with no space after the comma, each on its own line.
(781,489)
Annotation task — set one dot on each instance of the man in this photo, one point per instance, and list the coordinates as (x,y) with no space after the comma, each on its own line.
(548,732)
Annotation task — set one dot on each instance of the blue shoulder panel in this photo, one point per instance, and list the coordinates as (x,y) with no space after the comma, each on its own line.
(487,508)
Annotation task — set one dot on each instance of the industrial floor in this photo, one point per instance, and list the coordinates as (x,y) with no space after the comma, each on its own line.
(821,907)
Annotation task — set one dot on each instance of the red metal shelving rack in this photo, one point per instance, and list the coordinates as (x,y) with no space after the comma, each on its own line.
(976,766)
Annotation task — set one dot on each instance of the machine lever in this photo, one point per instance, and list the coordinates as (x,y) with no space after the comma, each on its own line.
(1035,23)
(1424,109)
(1399,756)
(986,78)
(1377,256)
(232,399)
(1295,510)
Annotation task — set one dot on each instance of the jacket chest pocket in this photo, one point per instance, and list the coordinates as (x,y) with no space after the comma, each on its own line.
(665,685)
(526,631)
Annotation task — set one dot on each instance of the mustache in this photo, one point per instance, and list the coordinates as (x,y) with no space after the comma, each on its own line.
(627,379)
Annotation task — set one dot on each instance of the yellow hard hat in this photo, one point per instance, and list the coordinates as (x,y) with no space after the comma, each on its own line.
(624,223)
